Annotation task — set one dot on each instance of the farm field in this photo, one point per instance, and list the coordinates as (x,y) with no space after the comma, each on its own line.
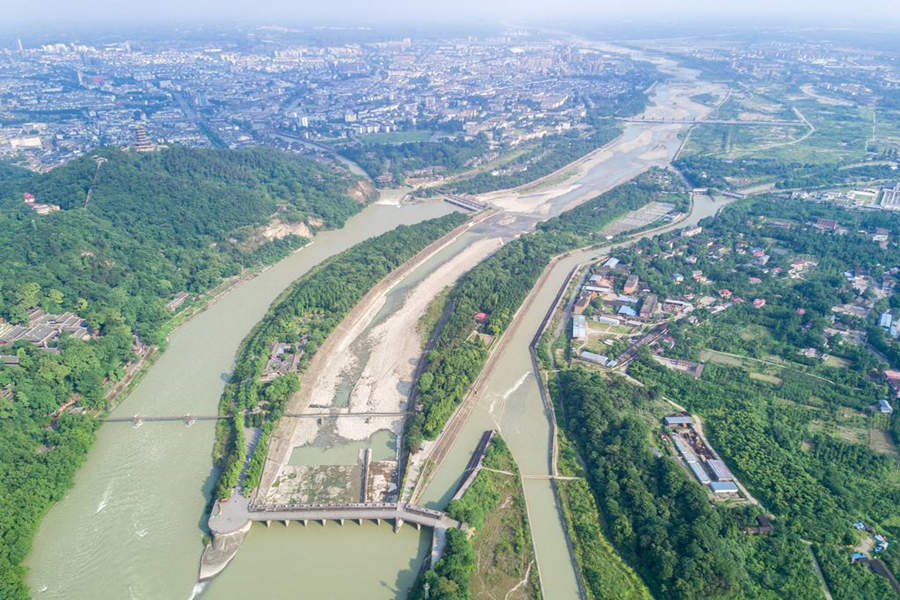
(837,133)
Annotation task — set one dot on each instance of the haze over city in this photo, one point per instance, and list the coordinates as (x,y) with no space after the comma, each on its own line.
(463,12)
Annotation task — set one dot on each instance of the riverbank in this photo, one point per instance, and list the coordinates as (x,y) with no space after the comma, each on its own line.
(136,370)
(94,535)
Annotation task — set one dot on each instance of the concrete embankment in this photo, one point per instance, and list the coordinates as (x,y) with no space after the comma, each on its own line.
(219,552)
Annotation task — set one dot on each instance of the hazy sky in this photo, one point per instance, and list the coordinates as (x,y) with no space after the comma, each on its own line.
(61,12)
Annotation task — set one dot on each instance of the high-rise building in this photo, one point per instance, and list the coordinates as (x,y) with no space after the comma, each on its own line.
(19,45)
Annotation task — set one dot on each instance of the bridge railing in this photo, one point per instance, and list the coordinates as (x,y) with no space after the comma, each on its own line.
(358,506)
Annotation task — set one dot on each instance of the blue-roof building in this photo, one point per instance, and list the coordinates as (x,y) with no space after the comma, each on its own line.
(627,311)
(723,487)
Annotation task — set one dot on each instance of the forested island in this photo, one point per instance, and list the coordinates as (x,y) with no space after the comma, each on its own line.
(132,230)
(303,317)
(471,164)
(428,157)
(537,160)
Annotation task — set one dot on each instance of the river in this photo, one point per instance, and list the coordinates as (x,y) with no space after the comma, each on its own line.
(131,525)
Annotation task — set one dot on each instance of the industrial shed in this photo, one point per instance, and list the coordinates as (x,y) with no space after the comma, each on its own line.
(723,487)
(720,470)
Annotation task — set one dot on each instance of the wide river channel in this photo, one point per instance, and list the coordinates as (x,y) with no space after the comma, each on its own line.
(131,526)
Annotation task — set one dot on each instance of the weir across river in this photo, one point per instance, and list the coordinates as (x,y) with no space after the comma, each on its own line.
(230,522)
(128,526)
(231,519)
(397,513)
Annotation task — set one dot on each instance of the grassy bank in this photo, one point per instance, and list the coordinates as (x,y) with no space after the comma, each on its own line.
(497,559)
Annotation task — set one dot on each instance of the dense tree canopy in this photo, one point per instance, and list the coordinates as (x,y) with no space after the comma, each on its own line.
(155,224)
(129,236)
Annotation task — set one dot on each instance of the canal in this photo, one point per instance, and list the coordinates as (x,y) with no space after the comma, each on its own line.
(510,402)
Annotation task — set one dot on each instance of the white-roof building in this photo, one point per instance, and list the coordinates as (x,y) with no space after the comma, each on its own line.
(600,359)
(579,327)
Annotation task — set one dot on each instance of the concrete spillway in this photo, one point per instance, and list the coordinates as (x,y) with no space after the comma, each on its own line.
(230,522)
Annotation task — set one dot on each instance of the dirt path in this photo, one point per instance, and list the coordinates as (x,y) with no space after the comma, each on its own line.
(521,583)
(774,364)
(698,427)
(809,132)
(818,569)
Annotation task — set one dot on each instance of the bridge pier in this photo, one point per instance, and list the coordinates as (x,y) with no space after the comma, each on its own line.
(322,521)
(359,522)
(418,527)
(304,521)
(398,523)
(268,523)
(341,521)
(377,520)
(286,522)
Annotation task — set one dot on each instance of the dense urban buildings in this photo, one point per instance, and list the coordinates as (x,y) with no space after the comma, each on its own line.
(271,86)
